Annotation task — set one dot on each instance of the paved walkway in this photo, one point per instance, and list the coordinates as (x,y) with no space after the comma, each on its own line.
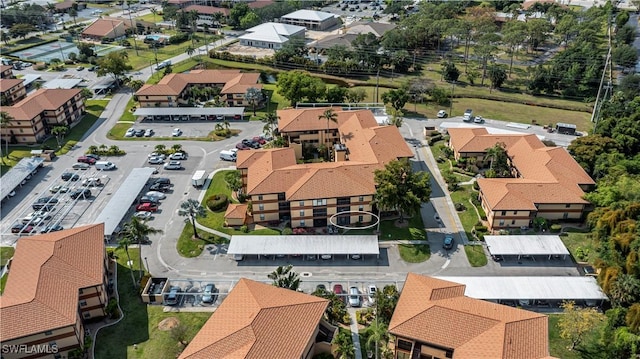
(354,333)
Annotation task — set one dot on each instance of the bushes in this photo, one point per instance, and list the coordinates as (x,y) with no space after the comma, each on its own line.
(179,38)
(287,231)
(217,202)
(555,228)
(365,316)
(103,150)
(460,207)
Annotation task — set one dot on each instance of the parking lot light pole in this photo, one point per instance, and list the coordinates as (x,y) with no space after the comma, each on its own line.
(146,263)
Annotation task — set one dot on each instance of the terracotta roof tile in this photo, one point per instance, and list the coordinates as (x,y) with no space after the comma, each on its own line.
(259,321)
(46,273)
(236,210)
(7,84)
(41,100)
(174,84)
(207,10)
(4,68)
(103,27)
(470,327)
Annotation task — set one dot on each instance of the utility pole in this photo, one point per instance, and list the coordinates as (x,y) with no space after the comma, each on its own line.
(135,30)
(453,88)
(377,83)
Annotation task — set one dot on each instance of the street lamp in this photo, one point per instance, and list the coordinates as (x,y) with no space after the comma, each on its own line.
(147,263)
(453,89)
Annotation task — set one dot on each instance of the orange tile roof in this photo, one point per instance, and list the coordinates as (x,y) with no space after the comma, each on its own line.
(436,312)
(207,10)
(236,211)
(233,82)
(8,84)
(547,174)
(258,320)
(47,271)
(41,100)
(370,147)
(103,27)
(4,68)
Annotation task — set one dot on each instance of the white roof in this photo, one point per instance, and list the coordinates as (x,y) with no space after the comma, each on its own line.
(62,83)
(12,179)
(525,245)
(122,200)
(188,111)
(309,15)
(301,244)
(544,288)
(267,35)
(279,28)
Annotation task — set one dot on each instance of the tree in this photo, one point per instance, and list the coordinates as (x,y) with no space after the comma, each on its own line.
(386,301)
(86,49)
(450,72)
(4,37)
(233,179)
(625,56)
(253,96)
(356,95)
(192,209)
(285,277)
(137,230)
(21,30)
(124,243)
(180,333)
(514,34)
(497,76)
(190,50)
(115,64)
(378,336)
(59,132)
(136,84)
(160,148)
(176,148)
(400,189)
(270,124)
(74,14)
(330,116)
(154,12)
(576,322)
(344,343)
(586,150)
(297,85)
(250,19)
(336,94)
(336,310)
(397,98)
(625,290)
(5,119)
(238,11)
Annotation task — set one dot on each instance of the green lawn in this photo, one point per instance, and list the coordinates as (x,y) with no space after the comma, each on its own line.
(189,247)
(468,217)
(140,323)
(475,255)
(558,346)
(581,246)
(3,282)
(414,253)
(5,254)
(413,232)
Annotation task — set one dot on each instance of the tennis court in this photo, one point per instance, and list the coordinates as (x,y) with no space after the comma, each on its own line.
(60,50)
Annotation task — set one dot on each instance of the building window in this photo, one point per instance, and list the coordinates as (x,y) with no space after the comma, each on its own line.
(260,198)
(261,207)
(360,208)
(404,345)
(567,206)
(513,221)
(501,223)
(319,202)
(302,223)
(504,213)
(83,303)
(515,212)
(48,332)
(301,203)
(262,217)
(360,219)
(301,213)
(361,199)
(81,291)
(86,315)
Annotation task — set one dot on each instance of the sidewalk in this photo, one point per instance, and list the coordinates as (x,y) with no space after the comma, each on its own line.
(354,333)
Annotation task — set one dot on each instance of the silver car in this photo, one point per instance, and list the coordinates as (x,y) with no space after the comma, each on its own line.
(173,165)
(354,297)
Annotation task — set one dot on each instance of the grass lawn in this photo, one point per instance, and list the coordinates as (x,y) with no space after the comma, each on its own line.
(468,217)
(414,253)
(581,246)
(413,232)
(557,345)
(189,247)
(5,254)
(140,323)
(475,255)
(3,282)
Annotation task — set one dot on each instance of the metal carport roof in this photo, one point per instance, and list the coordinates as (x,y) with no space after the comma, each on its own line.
(188,111)
(12,179)
(543,288)
(520,245)
(122,200)
(301,244)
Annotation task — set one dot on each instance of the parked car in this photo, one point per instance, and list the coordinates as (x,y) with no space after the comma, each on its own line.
(79,68)
(478,119)
(139,133)
(91,182)
(173,298)
(147,207)
(176,132)
(354,297)
(86,159)
(325,256)
(52,228)
(91,155)
(80,166)
(92,68)
(68,176)
(147,199)
(143,215)
(46,203)
(242,146)
(160,187)
(442,114)
(259,140)
(148,132)
(178,156)
(173,165)
(60,189)
(371,292)
(339,291)
(448,242)
(84,193)
(130,132)
(156,194)
(468,115)
(208,295)
(36,217)
(157,154)
(20,228)
(155,160)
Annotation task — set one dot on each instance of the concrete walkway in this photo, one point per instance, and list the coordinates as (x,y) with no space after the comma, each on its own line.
(354,333)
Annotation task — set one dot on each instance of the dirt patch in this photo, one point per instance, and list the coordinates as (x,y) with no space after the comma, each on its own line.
(256,52)
(168,324)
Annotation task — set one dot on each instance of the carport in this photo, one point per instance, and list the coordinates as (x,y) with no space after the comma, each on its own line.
(121,201)
(304,245)
(526,245)
(538,288)
(197,112)
(14,177)
(104,86)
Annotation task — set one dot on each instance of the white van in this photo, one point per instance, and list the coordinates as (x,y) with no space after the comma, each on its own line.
(228,155)
(105,166)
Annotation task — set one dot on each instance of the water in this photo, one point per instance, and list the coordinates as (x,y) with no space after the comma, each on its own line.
(60,50)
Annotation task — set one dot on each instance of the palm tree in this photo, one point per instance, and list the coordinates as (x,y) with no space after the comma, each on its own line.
(93,149)
(330,116)
(190,50)
(124,243)
(154,12)
(4,37)
(285,277)
(253,96)
(160,148)
(271,124)
(377,335)
(176,148)
(135,230)
(73,13)
(345,348)
(192,209)
(226,124)
(5,119)
(59,132)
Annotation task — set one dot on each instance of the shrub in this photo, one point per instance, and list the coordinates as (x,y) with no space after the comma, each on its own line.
(435,133)
(364,316)
(460,207)
(475,186)
(480,229)
(112,309)
(217,202)
(555,228)
(244,229)
(287,231)
(178,38)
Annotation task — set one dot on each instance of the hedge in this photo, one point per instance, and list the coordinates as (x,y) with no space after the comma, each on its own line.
(217,202)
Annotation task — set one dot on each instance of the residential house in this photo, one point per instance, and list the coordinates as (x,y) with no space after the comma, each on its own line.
(272,35)
(547,182)
(6,72)
(11,91)
(114,28)
(174,89)
(206,13)
(35,115)
(350,33)
(434,319)
(56,282)
(309,194)
(258,320)
(311,19)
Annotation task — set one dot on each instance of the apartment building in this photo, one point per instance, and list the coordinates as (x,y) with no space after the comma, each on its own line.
(56,282)
(11,91)
(34,116)
(258,320)
(309,194)
(547,182)
(6,72)
(174,89)
(435,320)
(311,19)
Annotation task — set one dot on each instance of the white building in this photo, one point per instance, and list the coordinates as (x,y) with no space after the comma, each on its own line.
(271,35)
(312,20)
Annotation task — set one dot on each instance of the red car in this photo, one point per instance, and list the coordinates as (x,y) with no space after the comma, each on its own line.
(337,290)
(147,207)
(85,159)
(259,139)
